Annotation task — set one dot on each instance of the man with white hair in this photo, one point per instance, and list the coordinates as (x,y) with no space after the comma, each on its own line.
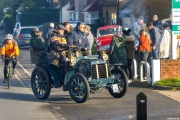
(156,22)
(49,32)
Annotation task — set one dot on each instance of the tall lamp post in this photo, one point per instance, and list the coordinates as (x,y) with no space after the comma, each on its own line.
(117,17)
(117,14)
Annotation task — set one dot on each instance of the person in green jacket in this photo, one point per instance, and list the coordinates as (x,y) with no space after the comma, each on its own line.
(37,42)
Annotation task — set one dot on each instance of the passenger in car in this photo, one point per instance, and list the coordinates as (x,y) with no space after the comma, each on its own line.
(37,42)
(79,39)
(68,27)
(58,44)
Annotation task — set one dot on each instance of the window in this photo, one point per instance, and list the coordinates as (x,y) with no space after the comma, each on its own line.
(71,15)
(94,17)
(77,16)
(25,31)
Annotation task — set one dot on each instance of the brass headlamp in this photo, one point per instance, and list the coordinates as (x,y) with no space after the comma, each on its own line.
(103,55)
(72,58)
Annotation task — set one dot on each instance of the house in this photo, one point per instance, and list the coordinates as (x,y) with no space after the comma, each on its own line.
(133,9)
(110,9)
(76,8)
(91,12)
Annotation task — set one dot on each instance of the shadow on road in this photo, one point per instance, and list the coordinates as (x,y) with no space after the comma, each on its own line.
(18,97)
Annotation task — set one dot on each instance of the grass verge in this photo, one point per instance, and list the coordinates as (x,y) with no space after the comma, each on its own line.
(170,82)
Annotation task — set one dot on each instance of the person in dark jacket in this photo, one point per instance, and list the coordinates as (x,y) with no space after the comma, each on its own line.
(156,22)
(154,36)
(129,45)
(49,32)
(68,27)
(58,43)
(79,39)
(37,42)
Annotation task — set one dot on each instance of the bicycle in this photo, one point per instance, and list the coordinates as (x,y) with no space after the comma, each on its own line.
(9,70)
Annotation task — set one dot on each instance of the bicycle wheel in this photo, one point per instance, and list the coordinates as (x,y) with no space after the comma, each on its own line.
(9,72)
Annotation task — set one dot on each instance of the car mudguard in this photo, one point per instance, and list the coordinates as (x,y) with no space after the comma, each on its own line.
(53,74)
(68,75)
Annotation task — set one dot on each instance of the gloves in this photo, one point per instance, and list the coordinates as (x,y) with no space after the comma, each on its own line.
(17,57)
(84,49)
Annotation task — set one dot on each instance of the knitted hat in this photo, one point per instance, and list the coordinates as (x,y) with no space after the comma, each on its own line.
(126,31)
(51,25)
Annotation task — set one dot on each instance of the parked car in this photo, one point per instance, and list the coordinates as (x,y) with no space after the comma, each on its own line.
(23,36)
(16,28)
(2,26)
(104,37)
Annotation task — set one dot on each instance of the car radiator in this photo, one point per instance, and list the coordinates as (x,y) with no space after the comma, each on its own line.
(99,71)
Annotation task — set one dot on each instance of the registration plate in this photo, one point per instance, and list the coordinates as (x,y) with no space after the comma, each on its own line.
(27,41)
(115,88)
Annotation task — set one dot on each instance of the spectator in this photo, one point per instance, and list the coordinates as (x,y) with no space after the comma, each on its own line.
(79,39)
(165,42)
(117,51)
(90,37)
(144,48)
(139,25)
(170,21)
(156,22)
(129,45)
(49,32)
(154,35)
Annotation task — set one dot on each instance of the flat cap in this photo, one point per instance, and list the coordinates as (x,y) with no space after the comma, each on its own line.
(60,27)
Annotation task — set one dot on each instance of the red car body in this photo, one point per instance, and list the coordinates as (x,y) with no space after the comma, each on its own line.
(104,37)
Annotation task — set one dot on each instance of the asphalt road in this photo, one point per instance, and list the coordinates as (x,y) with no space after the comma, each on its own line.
(19,103)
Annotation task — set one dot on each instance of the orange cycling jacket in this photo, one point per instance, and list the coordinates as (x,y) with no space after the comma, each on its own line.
(9,49)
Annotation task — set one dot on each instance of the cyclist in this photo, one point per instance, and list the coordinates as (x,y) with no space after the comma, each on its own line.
(9,49)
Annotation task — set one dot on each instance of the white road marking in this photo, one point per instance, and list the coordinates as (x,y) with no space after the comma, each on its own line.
(53,117)
(28,74)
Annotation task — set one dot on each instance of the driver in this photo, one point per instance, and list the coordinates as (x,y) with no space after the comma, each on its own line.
(58,43)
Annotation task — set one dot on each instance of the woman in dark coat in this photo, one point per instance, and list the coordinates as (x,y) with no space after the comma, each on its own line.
(129,45)
(117,51)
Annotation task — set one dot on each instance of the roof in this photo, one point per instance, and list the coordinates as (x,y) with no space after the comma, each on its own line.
(71,8)
(107,27)
(130,6)
(92,7)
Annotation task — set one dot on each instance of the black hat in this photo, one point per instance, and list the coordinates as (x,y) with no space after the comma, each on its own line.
(126,31)
(60,27)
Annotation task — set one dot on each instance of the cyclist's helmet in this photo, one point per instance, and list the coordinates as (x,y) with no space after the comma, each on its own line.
(9,36)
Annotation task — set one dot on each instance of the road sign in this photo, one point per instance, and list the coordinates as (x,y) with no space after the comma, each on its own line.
(175,3)
(175,27)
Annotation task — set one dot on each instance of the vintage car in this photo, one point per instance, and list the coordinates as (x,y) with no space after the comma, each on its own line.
(104,37)
(85,75)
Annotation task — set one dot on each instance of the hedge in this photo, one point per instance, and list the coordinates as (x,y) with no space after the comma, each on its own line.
(36,16)
(9,24)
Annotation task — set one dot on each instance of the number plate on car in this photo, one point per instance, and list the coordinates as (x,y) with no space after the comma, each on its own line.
(27,41)
(115,88)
